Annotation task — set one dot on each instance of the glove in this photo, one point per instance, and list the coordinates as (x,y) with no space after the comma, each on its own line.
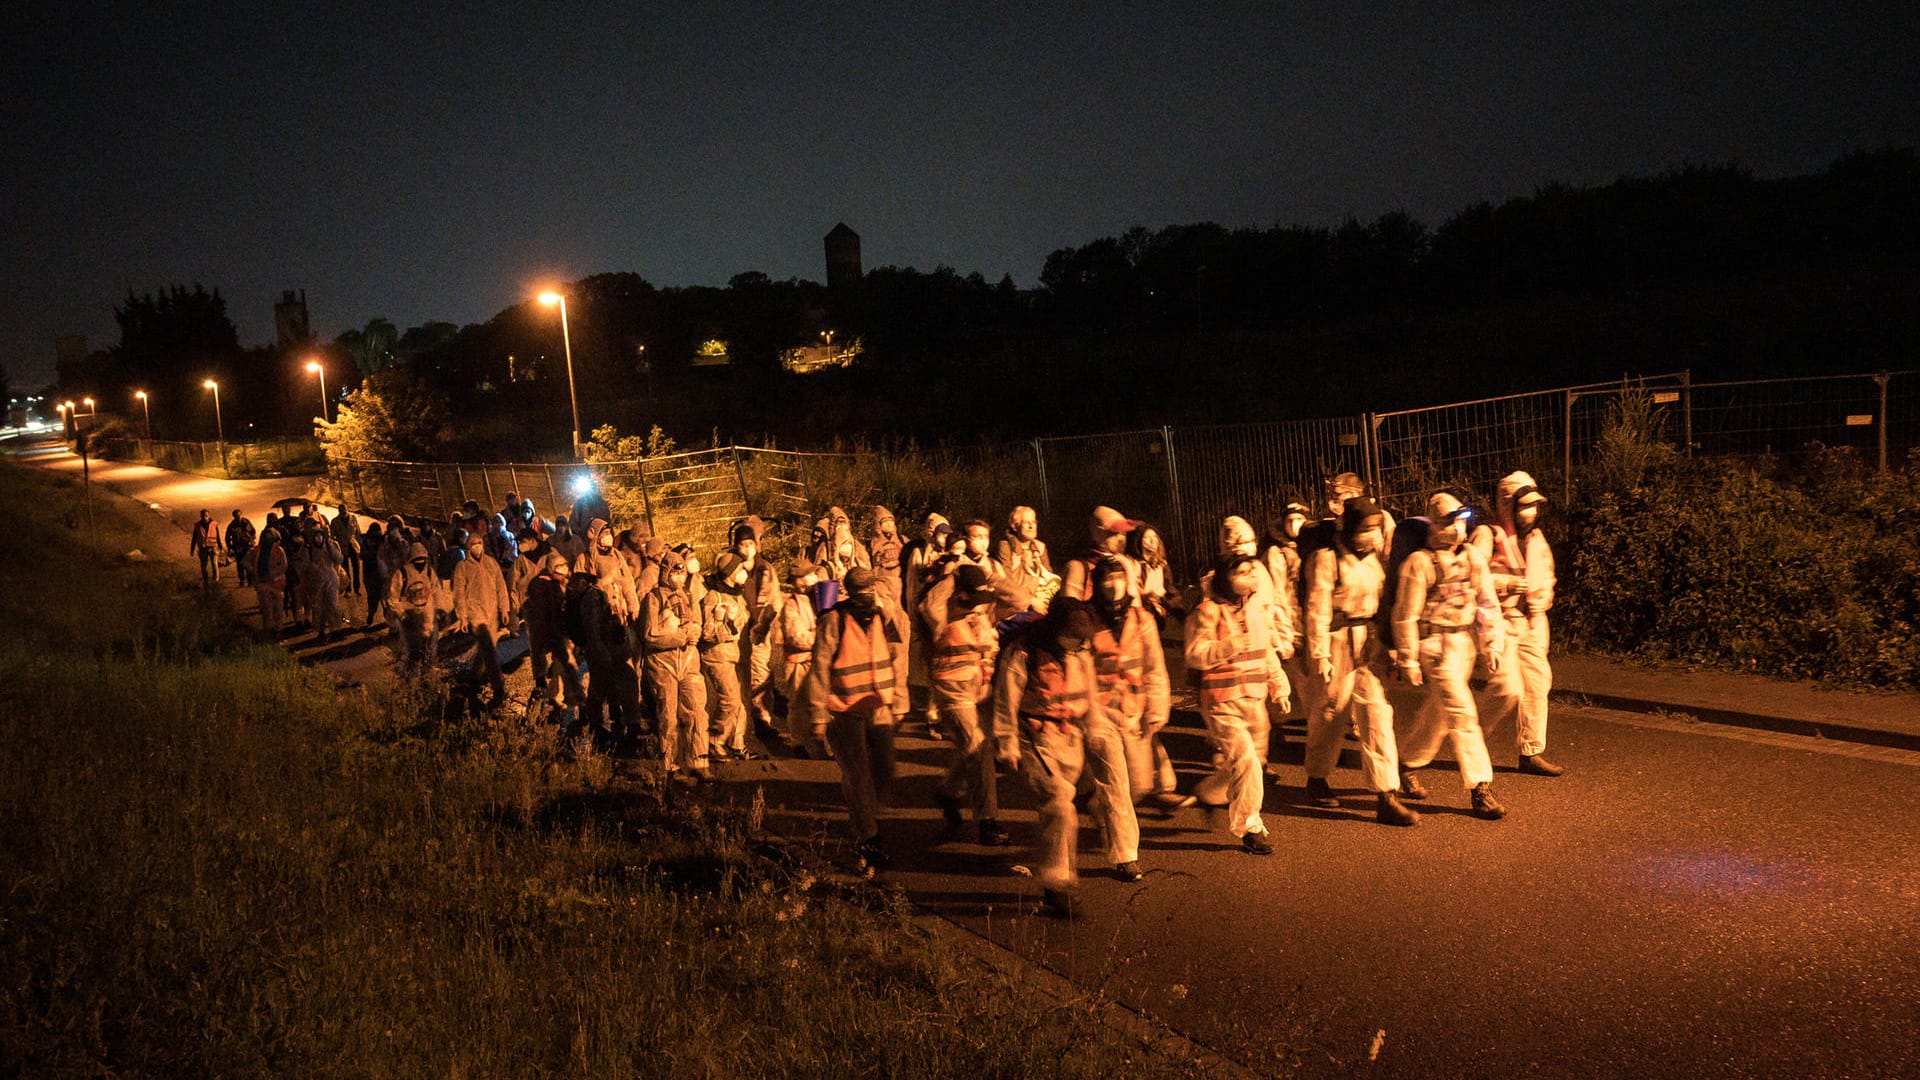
(1282,702)
(1493,663)
(1326,671)
(1411,672)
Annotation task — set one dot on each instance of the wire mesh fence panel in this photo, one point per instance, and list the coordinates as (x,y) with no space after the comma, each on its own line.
(1128,471)
(1903,417)
(1249,470)
(775,482)
(1469,446)
(1786,416)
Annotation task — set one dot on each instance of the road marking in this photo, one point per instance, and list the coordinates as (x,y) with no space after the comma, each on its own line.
(1687,725)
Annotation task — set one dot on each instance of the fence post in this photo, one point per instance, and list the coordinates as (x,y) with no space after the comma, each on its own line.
(1173,490)
(740,474)
(486,485)
(646,497)
(1566,451)
(1686,409)
(806,486)
(1369,454)
(1883,378)
(553,493)
(1040,464)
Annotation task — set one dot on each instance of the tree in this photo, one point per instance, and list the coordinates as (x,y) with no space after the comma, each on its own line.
(393,416)
(372,347)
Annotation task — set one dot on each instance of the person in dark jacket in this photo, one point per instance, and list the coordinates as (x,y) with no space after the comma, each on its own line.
(544,608)
(373,571)
(240,544)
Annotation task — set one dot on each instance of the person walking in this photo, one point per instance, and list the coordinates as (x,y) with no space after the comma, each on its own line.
(1520,562)
(373,571)
(204,543)
(413,603)
(723,621)
(346,535)
(670,630)
(1230,649)
(239,538)
(480,608)
(320,580)
(270,581)
(543,609)
(851,694)
(792,641)
(963,645)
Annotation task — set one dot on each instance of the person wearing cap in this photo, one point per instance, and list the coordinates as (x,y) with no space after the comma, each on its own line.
(1230,650)
(543,607)
(1344,486)
(1520,563)
(918,559)
(723,620)
(963,645)
(1045,703)
(1130,676)
(763,599)
(1107,533)
(850,694)
(1444,612)
(671,631)
(791,640)
(1349,663)
(1279,552)
(412,603)
(481,607)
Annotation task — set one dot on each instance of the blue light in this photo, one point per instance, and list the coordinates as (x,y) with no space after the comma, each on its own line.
(583,485)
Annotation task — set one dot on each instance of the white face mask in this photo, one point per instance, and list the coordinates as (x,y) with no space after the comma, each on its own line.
(1293,525)
(1526,516)
(1367,540)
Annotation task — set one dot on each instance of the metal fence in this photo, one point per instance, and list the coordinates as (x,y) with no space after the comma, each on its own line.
(1186,480)
(261,457)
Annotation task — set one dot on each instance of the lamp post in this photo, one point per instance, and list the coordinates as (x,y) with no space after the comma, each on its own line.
(317,368)
(566,342)
(219,425)
(146,408)
(92,409)
(65,409)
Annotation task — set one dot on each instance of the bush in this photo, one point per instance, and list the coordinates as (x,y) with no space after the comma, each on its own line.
(1803,569)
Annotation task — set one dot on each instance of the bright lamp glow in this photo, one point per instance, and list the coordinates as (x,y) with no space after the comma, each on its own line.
(141,394)
(88,402)
(549,298)
(313,367)
(208,385)
(583,485)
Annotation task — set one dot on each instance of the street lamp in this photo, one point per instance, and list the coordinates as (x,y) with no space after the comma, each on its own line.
(146,408)
(219,425)
(91,408)
(316,368)
(566,341)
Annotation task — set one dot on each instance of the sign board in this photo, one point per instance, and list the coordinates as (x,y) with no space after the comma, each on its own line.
(1349,440)
(1666,397)
(1859,419)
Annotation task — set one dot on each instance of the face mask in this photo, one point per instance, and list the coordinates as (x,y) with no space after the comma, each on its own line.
(1527,516)
(1293,525)
(1241,584)
(738,577)
(1367,540)
(606,543)
(1246,548)
(977,544)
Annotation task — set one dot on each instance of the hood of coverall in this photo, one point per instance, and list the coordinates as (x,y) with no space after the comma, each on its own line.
(932,526)
(1236,536)
(1515,490)
(1448,516)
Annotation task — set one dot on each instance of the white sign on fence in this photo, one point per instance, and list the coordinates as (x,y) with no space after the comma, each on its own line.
(1666,397)
(1859,419)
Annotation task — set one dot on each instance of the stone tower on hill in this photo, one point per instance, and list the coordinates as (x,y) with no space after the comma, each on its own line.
(843,258)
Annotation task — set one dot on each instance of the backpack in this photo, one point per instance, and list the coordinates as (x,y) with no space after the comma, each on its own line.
(573,616)
(1315,537)
(1409,537)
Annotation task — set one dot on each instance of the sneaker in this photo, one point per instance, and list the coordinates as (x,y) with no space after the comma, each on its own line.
(1410,785)
(1484,806)
(1391,812)
(871,853)
(1535,765)
(1256,843)
(1320,793)
(1129,871)
(949,810)
(993,834)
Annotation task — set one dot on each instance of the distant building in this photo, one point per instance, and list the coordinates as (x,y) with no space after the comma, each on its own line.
(822,357)
(290,326)
(843,258)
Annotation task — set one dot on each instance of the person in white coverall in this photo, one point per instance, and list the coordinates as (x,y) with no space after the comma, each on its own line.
(1443,614)
(1230,648)
(1521,564)
(1344,583)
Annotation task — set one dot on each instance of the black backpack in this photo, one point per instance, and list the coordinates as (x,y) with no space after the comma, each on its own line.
(1315,537)
(1409,537)
(574,617)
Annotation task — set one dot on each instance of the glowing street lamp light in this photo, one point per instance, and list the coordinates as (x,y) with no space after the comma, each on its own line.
(314,367)
(219,425)
(91,408)
(566,341)
(146,407)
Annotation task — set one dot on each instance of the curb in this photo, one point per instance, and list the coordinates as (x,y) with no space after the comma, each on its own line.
(1815,729)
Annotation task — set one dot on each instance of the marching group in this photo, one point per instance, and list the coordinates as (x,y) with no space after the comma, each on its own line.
(1336,614)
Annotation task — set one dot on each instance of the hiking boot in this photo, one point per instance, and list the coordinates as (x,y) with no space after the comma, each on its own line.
(949,810)
(992,834)
(1536,765)
(1484,806)
(1410,785)
(1129,871)
(1391,812)
(1320,793)
(871,853)
(1256,843)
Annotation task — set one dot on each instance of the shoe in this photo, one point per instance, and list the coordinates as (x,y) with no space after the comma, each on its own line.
(949,810)
(871,853)
(718,753)
(1171,801)
(1059,900)
(992,834)
(1484,806)
(1256,843)
(747,754)
(1129,871)
(1410,785)
(1535,765)
(1320,793)
(1391,812)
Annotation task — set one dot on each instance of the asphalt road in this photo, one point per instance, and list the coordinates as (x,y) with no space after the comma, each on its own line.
(1689,900)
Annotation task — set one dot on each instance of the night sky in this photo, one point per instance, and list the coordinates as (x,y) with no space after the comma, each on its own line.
(420,165)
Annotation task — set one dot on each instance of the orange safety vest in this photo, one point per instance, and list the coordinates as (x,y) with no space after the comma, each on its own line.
(1120,664)
(1245,676)
(861,678)
(1055,691)
(956,662)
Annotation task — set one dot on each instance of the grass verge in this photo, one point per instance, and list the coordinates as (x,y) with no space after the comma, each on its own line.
(215,862)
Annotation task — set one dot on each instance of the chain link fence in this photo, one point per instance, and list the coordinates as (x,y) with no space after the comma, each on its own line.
(257,458)
(1185,480)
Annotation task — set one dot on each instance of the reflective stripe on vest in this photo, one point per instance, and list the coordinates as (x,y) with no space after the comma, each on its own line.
(1244,676)
(1055,691)
(861,678)
(958,651)
(1120,665)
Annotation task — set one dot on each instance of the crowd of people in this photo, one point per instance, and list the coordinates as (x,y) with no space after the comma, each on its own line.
(1401,636)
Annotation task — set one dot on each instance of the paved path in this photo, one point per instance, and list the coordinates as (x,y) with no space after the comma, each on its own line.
(1690,899)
